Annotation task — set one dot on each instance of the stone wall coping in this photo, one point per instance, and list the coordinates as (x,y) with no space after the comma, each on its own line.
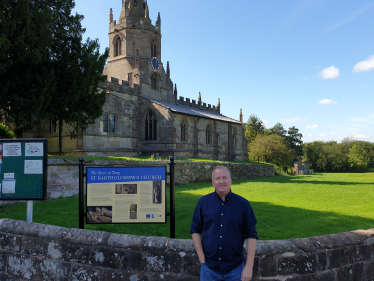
(125,241)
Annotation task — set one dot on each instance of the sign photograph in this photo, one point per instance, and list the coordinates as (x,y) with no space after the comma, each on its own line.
(126,195)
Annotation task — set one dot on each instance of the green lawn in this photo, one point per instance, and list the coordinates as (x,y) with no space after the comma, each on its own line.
(286,207)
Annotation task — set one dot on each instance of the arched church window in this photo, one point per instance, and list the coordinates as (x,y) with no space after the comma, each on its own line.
(184,126)
(112,123)
(109,123)
(209,134)
(150,126)
(154,80)
(234,137)
(154,83)
(117,46)
(224,148)
(154,48)
(105,123)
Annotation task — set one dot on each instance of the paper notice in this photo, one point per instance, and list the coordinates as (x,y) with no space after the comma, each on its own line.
(12,149)
(33,166)
(34,149)
(8,175)
(8,186)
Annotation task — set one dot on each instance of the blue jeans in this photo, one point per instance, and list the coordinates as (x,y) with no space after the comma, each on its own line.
(206,274)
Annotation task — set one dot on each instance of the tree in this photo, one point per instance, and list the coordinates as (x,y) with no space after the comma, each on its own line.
(78,68)
(271,148)
(253,127)
(357,158)
(279,130)
(294,142)
(46,71)
(312,153)
(25,81)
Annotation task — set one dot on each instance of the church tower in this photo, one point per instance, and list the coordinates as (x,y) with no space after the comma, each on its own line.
(135,51)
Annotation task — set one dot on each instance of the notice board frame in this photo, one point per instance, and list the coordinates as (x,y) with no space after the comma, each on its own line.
(138,174)
(21,179)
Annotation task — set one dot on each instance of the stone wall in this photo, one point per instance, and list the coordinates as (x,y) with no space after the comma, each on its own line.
(30,251)
(301,168)
(63,174)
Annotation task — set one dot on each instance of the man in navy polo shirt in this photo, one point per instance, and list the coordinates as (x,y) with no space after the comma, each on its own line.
(224,219)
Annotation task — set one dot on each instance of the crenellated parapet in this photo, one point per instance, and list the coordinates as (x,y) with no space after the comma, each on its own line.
(199,105)
(124,87)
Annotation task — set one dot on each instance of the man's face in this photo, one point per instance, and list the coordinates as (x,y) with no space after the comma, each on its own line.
(221,181)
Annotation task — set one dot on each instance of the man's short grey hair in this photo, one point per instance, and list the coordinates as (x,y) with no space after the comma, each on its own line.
(223,168)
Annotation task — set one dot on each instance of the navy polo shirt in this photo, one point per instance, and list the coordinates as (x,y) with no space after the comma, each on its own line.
(224,225)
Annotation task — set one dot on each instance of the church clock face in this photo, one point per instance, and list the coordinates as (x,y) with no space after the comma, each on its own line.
(155,64)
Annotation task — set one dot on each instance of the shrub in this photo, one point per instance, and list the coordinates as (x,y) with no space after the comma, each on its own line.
(6,133)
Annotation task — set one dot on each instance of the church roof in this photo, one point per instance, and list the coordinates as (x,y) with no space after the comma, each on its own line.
(193,111)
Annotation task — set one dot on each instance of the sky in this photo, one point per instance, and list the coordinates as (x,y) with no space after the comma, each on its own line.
(303,63)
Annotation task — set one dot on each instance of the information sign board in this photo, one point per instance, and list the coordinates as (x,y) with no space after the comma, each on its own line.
(126,195)
(23,169)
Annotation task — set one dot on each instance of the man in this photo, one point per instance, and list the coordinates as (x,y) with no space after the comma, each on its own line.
(224,219)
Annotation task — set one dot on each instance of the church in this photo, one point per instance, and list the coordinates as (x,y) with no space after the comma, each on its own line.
(143,113)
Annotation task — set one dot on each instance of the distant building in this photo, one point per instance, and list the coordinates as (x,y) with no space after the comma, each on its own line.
(143,113)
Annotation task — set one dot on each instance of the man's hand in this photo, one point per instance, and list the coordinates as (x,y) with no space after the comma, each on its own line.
(196,237)
(246,274)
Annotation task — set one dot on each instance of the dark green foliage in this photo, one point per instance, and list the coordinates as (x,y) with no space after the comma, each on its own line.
(294,142)
(78,66)
(46,71)
(348,156)
(5,132)
(279,130)
(25,80)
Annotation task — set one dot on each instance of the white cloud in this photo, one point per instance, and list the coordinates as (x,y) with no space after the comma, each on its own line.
(322,135)
(359,119)
(364,65)
(328,101)
(361,136)
(364,88)
(371,115)
(265,122)
(311,126)
(329,73)
(310,135)
(357,125)
(291,120)
(304,79)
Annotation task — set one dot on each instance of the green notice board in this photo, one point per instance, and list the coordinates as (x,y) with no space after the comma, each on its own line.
(23,169)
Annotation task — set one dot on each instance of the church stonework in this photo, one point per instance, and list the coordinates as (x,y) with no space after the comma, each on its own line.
(143,113)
